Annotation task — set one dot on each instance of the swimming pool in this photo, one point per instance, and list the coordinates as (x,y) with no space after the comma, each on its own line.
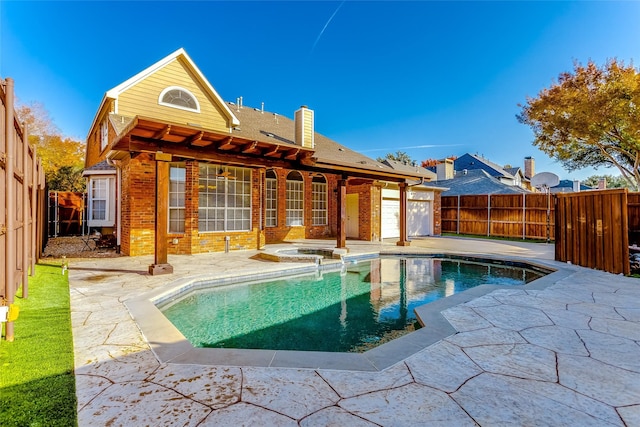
(364,304)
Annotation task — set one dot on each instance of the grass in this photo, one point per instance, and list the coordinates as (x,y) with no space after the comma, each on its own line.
(37,385)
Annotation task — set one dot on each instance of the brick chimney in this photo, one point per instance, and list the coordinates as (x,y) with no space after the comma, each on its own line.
(602,184)
(529,167)
(303,120)
(444,170)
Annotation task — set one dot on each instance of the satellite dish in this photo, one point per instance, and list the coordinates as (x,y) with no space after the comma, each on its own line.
(545,180)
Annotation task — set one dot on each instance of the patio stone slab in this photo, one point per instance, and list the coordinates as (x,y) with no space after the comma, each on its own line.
(141,403)
(513,317)
(630,415)
(212,386)
(518,360)
(464,318)
(595,310)
(619,328)
(335,416)
(487,336)
(612,350)
(443,366)
(412,404)
(598,380)
(246,415)
(294,393)
(356,383)
(492,400)
(556,338)
(568,319)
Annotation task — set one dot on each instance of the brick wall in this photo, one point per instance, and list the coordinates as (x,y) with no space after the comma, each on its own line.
(437,213)
(138,210)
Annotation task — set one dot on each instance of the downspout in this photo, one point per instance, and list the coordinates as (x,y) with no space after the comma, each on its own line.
(110,162)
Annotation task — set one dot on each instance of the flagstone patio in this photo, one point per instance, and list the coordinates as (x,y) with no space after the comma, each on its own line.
(561,353)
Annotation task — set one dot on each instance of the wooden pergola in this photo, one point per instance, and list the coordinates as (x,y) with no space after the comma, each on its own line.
(167,141)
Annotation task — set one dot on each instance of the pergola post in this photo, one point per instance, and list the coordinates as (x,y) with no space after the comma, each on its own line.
(404,241)
(160,265)
(342,214)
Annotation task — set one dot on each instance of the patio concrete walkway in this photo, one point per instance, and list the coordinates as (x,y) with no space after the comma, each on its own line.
(563,354)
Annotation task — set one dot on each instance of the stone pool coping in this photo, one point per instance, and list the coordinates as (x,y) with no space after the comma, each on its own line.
(170,346)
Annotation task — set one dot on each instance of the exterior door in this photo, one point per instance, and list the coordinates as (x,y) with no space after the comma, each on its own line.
(390,218)
(353,211)
(419,219)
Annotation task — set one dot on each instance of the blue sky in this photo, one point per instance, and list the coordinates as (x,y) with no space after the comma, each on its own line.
(432,79)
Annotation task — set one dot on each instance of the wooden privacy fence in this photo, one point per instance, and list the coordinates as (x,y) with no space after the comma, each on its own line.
(592,230)
(66,213)
(524,216)
(22,204)
(633,212)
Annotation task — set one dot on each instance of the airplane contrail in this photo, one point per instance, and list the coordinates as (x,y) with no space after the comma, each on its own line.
(413,146)
(325,27)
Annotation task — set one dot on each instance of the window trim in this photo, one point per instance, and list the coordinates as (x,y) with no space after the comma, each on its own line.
(289,201)
(315,212)
(227,210)
(109,219)
(182,208)
(180,107)
(274,210)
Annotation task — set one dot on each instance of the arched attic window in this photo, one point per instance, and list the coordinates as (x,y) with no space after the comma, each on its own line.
(179,97)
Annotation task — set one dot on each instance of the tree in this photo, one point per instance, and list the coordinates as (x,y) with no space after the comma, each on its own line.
(62,157)
(590,117)
(612,181)
(398,156)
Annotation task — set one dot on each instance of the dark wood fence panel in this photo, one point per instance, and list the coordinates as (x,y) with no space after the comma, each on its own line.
(66,213)
(633,211)
(592,230)
(501,215)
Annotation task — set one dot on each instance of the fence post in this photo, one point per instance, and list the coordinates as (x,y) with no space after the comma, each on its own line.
(25,212)
(524,215)
(488,215)
(458,217)
(10,241)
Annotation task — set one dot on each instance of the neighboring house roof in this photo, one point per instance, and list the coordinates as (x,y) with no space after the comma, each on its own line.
(404,167)
(477,181)
(566,186)
(101,168)
(473,161)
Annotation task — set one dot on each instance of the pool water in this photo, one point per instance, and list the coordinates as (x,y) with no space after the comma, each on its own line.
(342,311)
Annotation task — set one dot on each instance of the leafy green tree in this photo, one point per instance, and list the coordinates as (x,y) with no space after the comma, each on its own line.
(398,156)
(590,117)
(612,181)
(62,157)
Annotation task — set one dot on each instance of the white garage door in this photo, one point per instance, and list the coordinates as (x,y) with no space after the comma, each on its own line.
(419,219)
(390,218)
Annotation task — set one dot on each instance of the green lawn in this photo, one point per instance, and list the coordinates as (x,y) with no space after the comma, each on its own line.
(37,386)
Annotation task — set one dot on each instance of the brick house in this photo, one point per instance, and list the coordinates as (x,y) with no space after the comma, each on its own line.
(172,168)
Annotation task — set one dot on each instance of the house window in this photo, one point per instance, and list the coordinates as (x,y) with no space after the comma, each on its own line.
(271,199)
(224,198)
(319,200)
(295,199)
(179,97)
(177,178)
(104,134)
(99,197)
